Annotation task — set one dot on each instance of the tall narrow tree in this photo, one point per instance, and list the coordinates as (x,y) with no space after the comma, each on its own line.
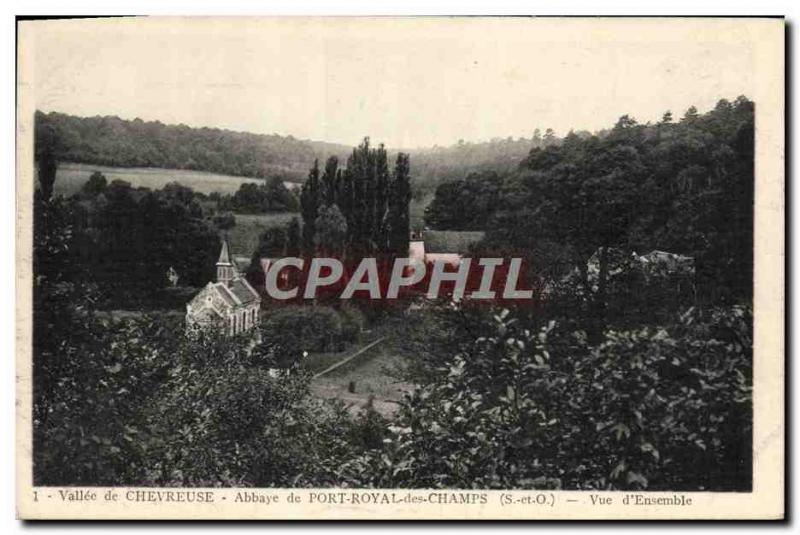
(331,237)
(330,182)
(398,214)
(359,166)
(309,206)
(372,200)
(382,183)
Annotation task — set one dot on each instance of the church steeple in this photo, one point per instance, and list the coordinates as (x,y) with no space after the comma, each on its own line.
(226,271)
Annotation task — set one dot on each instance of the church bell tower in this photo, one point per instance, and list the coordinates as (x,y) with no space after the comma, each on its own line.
(226,271)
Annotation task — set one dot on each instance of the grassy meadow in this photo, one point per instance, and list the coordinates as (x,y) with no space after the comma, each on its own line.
(243,238)
(70,177)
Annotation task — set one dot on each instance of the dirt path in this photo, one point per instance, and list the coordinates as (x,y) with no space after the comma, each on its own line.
(345,361)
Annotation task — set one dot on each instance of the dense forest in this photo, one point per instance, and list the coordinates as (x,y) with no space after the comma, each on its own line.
(631,371)
(683,186)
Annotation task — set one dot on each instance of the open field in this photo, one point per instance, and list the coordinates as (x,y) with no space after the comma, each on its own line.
(71,177)
(243,238)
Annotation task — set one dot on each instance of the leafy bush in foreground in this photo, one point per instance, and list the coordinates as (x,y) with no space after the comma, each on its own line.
(312,328)
(659,408)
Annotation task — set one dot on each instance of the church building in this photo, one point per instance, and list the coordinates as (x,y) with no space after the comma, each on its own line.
(229,301)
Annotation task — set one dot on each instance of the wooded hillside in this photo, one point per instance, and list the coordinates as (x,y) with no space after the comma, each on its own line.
(116,142)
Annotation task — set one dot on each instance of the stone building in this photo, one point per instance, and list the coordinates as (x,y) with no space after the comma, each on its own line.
(230,301)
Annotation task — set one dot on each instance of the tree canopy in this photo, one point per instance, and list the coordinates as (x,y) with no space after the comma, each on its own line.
(372,200)
(685,187)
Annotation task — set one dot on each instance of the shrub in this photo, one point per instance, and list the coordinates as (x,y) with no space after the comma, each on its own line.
(352,323)
(131,402)
(667,408)
(89,387)
(658,408)
(220,420)
(305,328)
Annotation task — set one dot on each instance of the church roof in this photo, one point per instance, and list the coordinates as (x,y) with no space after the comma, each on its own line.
(225,293)
(236,294)
(243,291)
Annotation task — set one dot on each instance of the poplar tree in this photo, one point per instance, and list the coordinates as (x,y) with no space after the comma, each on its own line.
(331,237)
(380,201)
(330,181)
(309,206)
(372,200)
(398,213)
(359,166)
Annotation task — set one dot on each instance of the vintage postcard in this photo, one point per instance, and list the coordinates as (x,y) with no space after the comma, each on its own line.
(400,268)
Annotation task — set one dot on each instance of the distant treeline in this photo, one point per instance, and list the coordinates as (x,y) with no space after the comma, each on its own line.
(116,142)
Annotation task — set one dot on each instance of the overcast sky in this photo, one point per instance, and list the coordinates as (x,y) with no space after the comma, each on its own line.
(405,82)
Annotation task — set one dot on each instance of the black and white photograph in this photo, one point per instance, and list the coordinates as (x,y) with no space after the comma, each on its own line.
(400,264)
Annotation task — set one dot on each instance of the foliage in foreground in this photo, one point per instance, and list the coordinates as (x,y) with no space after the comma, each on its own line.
(132,404)
(658,408)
